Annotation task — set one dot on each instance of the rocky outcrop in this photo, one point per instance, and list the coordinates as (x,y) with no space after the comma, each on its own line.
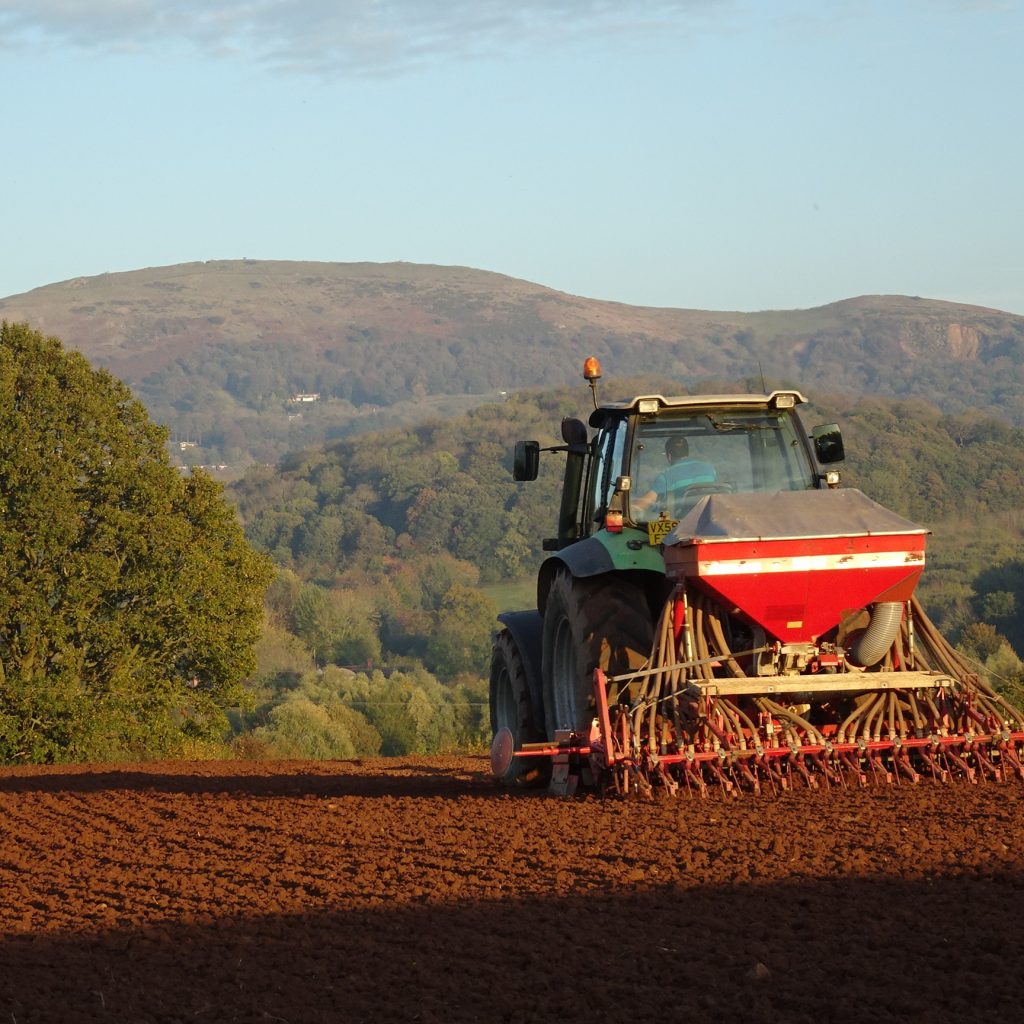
(964,342)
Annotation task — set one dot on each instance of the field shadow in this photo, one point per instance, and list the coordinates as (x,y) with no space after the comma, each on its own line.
(839,950)
(278,779)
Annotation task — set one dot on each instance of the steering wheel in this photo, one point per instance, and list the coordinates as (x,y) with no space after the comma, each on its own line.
(692,494)
(700,490)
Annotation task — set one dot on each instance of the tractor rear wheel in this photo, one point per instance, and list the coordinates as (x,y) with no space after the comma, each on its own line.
(602,622)
(511,707)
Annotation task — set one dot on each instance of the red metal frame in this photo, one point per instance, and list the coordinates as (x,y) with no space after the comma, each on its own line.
(611,752)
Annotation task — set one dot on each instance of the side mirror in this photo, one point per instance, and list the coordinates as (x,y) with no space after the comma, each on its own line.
(574,432)
(828,443)
(526,461)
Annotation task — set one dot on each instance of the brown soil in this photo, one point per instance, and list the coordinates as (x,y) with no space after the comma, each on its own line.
(416,890)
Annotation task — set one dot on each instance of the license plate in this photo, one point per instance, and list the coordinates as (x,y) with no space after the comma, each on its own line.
(660,529)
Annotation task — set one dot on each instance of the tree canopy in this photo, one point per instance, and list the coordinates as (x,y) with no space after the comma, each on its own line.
(130,600)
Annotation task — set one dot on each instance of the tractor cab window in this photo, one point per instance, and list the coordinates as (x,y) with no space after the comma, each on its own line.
(607,466)
(676,460)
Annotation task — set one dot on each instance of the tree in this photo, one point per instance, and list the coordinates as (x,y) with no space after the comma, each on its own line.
(130,601)
(337,626)
(306,728)
(461,641)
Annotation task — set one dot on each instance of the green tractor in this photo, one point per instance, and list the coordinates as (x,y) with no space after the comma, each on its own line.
(603,586)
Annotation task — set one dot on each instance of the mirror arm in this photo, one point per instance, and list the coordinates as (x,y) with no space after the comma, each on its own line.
(577,449)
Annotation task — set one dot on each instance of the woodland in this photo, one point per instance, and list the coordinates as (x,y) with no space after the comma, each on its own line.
(235,399)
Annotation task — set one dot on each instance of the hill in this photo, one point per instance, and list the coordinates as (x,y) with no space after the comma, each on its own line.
(219,350)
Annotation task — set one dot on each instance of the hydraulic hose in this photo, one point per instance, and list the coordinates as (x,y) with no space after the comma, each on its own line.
(872,645)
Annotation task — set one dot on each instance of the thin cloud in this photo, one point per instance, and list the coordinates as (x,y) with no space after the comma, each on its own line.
(346,36)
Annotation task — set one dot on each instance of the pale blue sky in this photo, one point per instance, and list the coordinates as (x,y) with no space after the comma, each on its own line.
(697,153)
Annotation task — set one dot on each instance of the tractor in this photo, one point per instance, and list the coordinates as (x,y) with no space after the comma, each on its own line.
(716,610)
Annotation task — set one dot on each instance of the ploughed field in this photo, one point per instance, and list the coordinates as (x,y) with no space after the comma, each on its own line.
(415,889)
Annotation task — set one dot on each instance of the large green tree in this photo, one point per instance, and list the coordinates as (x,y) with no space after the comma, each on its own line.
(129,599)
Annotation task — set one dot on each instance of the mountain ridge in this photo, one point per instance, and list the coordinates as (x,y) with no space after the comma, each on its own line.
(217,349)
(82,308)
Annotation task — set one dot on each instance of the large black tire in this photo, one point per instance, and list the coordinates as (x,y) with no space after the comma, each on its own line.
(511,707)
(603,622)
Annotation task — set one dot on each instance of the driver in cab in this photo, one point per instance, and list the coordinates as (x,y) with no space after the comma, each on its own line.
(682,472)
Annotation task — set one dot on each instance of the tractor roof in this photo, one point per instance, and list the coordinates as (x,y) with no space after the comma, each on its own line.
(654,404)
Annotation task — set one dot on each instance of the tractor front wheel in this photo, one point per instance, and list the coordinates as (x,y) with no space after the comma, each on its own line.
(602,622)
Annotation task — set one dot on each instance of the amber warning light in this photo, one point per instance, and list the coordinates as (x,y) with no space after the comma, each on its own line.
(591,369)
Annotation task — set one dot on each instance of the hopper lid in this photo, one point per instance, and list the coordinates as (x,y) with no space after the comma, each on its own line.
(788,515)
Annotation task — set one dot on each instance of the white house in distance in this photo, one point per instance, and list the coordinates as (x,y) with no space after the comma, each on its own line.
(305,396)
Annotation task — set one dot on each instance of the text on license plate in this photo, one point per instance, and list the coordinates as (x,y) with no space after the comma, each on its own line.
(660,529)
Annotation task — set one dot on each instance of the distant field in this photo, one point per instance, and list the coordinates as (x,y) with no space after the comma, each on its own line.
(513,595)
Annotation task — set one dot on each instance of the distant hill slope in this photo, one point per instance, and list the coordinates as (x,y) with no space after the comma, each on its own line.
(216,350)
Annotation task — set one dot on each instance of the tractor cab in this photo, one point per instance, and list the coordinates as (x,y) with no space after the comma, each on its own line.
(653,458)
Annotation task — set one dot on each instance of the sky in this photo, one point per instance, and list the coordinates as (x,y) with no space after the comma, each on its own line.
(708,154)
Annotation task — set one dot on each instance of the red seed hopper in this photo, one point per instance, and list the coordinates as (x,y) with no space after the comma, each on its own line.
(795,563)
